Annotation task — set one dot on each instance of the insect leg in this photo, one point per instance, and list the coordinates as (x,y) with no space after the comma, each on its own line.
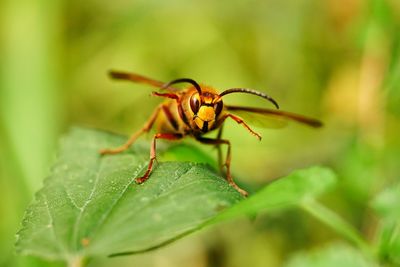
(218,146)
(167,136)
(229,178)
(134,136)
(240,121)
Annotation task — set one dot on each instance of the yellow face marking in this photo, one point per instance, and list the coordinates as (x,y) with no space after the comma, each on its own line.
(199,122)
(205,114)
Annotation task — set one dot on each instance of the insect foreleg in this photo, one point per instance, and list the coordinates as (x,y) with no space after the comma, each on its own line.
(134,136)
(240,121)
(229,178)
(167,136)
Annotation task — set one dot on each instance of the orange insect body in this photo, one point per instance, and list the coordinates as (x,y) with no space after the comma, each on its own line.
(181,110)
(197,110)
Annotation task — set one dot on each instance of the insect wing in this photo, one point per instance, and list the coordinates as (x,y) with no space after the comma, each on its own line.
(270,118)
(133,77)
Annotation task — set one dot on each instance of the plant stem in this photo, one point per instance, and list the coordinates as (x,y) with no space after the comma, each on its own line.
(337,223)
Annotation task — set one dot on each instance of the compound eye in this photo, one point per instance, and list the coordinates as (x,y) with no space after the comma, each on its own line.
(218,107)
(195,103)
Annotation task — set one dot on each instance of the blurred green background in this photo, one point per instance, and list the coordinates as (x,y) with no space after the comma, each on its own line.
(337,60)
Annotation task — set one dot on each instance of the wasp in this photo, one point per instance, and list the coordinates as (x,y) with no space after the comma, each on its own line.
(197,110)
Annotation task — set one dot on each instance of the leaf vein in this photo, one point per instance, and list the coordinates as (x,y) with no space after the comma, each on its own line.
(158,196)
(82,209)
(51,222)
(70,197)
(106,215)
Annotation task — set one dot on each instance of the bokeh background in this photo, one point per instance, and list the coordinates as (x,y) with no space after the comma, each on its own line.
(337,60)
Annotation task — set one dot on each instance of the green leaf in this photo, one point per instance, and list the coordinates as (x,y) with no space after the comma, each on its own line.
(386,205)
(331,256)
(337,223)
(90,205)
(296,188)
